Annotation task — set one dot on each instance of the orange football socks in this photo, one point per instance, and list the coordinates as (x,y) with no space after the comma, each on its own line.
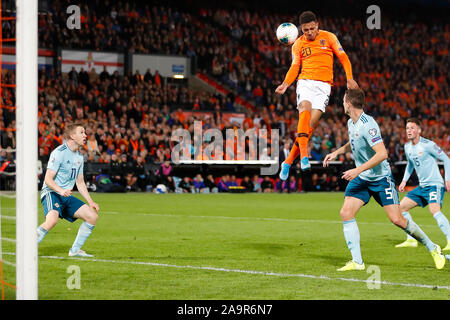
(304,132)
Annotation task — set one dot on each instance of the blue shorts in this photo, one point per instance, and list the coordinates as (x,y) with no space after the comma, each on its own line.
(66,206)
(425,195)
(383,191)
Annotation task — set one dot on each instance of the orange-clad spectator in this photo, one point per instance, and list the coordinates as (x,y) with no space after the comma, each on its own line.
(257,92)
(248,122)
(92,146)
(157,78)
(134,142)
(180,115)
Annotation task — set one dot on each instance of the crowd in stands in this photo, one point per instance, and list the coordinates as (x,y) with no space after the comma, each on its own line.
(129,118)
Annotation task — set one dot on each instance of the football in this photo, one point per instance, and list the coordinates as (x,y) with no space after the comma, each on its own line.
(160,188)
(287,33)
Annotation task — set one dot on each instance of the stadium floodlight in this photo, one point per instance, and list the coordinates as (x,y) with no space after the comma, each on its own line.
(26,173)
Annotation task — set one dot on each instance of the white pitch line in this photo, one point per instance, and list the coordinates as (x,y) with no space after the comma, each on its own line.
(8,217)
(11,196)
(264,273)
(8,240)
(8,263)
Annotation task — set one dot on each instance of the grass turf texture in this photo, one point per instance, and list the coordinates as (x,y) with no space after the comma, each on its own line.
(290,235)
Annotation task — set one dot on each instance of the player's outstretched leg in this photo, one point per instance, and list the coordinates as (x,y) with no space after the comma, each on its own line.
(406,205)
(284,172)
(90,219)
(351,233)
(50,221)
(410,241)
(295,151)
(352,237)
(442,222)
(411,228)
(303,138)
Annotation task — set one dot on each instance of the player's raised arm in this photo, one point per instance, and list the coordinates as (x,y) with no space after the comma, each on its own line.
(331,156)
(345,61)
(293,70)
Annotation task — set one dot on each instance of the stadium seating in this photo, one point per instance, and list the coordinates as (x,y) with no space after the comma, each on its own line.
(237,54)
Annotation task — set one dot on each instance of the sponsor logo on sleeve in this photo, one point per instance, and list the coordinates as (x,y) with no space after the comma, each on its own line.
(438,149)
(376,139)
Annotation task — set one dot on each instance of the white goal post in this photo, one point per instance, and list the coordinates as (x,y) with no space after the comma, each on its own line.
(26,164)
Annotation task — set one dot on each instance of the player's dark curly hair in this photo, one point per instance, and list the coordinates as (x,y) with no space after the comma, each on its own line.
(307,16)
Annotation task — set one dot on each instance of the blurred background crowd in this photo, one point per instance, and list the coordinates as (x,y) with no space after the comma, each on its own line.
(403,69)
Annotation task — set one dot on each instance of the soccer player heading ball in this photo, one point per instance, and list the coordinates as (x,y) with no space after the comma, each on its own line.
(313,53)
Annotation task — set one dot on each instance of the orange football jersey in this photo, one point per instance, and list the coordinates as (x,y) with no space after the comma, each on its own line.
(316,58)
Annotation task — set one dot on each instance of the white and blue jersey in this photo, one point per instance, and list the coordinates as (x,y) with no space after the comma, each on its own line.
(423,157)
(363,135)
(376,182)
(67,165)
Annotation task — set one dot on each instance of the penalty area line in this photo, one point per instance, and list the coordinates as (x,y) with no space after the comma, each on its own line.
(253,272)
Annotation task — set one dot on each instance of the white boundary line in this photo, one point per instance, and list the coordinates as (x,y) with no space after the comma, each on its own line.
(8,217)
(263,273)
(6,195)
(8,263)
(9,254)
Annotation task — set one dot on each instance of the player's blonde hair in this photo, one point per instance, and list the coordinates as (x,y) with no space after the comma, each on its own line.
(70,129)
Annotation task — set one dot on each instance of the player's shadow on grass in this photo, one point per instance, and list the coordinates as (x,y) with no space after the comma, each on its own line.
(330,259)
(267,248)
(54,250)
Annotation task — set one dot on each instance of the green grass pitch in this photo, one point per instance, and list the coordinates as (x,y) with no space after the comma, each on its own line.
(231,246)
